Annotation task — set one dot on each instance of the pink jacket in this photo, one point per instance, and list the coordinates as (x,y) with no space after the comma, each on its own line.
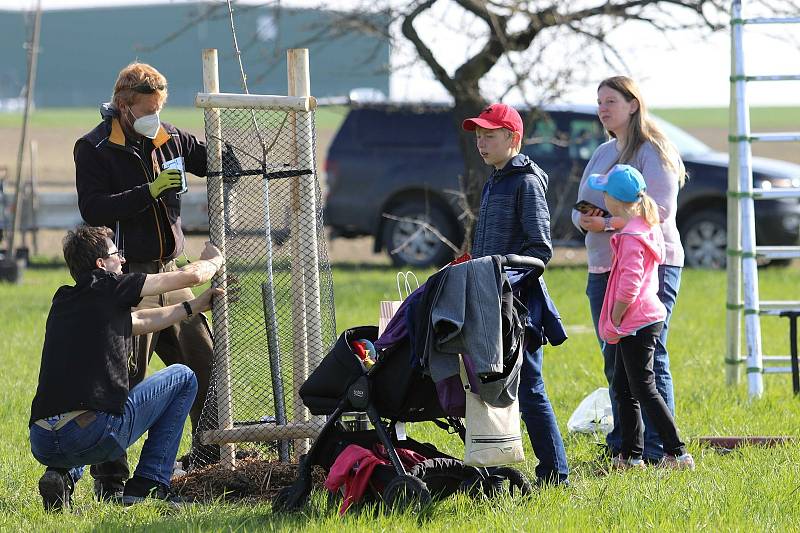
(638,250)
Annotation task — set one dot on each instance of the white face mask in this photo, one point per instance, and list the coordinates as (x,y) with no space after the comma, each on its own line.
(147,125)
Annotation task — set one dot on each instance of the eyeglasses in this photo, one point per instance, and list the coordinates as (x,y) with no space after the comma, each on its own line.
(119,253)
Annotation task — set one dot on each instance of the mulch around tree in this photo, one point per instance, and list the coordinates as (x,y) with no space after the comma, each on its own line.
(253,479)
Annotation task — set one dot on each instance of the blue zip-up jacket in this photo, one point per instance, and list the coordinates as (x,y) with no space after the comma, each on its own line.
(513,217)
(543,321)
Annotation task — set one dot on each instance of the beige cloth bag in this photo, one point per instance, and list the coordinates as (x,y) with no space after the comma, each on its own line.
(494,436)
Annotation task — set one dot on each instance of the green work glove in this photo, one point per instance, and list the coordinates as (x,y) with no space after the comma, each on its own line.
(168,179)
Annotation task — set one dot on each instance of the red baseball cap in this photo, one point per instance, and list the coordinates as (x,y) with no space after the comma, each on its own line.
(495,116)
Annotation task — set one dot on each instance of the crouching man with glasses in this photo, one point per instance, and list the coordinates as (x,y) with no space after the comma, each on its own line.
(83,412)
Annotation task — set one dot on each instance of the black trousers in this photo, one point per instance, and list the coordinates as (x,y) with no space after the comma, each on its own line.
(635,387)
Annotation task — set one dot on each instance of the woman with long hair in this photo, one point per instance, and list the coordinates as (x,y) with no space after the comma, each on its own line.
(634,140)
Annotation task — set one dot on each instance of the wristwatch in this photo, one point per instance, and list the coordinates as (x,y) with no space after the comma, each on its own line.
(188,309)
(607,224)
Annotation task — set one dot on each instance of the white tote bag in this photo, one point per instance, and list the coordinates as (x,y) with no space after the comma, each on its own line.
(388,308)
(494,436)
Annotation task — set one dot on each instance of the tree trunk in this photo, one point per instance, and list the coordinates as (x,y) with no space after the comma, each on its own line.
(475,170)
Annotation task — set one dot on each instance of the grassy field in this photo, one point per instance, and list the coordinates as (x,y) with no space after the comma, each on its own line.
(750,489)
(187,117)
(761,118)
(330,117)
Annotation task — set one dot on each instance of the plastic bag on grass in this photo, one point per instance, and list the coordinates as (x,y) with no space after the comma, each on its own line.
(593,414)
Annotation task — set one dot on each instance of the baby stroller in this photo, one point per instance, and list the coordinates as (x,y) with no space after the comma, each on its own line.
(391,392)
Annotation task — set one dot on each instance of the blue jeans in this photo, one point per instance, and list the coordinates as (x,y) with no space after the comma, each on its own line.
(158,405)
(669,282)
(540,420)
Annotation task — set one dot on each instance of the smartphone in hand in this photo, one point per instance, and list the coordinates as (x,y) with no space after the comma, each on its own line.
(587,207)
(178,164)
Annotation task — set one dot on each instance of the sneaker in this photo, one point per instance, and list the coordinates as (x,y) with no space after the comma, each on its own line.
(56,490)
(618,462)
(679,462)
(139,489)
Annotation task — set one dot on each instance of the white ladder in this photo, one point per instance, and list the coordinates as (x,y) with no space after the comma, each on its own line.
(742,249)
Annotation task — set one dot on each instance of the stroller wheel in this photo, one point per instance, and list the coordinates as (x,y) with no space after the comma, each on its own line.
(406,492)
(517,481)
(286,501)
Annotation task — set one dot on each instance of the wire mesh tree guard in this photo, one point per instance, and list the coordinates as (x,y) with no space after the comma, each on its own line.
(277,319)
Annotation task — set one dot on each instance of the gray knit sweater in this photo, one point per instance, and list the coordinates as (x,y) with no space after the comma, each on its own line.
(662,186)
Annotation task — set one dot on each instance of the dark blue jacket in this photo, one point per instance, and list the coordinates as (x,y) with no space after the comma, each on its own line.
(543,323)
(513,217)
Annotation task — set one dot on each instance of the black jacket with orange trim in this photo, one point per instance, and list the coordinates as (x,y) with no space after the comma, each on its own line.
(113,179)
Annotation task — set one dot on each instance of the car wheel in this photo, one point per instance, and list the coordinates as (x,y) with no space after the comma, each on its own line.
(705,239)
(409,243)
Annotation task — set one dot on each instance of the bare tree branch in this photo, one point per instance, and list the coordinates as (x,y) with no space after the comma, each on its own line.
(423,226)
(422,49)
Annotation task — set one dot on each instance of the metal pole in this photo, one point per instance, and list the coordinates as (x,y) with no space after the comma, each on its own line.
(793,353)
(34,196)
(733,352)
(224,399)
(33,53)
(749,267)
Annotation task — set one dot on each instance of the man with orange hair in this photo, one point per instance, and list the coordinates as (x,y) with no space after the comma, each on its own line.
(129,173)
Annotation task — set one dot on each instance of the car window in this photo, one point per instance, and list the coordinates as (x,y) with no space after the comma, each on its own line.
(545,141)
(585,135)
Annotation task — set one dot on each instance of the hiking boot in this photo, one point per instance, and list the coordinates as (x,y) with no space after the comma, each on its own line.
(56,490)
(679,462)
(138,489)
(618,462)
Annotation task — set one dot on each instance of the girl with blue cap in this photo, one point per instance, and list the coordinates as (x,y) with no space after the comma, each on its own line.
(632,317)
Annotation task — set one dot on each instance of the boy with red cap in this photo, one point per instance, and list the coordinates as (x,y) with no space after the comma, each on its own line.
(514,219)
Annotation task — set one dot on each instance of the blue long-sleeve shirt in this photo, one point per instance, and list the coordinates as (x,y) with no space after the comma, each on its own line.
(514,217)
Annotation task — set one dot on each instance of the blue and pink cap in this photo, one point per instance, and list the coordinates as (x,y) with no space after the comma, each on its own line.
(622,182)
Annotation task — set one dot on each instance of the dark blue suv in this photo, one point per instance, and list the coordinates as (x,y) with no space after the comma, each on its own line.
(392,167)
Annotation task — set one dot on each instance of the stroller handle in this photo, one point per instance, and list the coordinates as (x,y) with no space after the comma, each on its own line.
(523,261)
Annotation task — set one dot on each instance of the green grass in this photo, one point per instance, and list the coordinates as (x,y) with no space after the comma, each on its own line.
(749,489)
(187,117)
(329,118)
(761,118)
